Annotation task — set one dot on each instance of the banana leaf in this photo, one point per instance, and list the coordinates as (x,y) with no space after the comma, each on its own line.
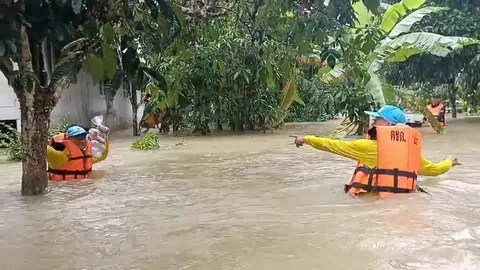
(287,95)
(364,15)
(432,120)
(405,46)
(329,75)
(406,23)
(342,130)
(396,11)
(401,48)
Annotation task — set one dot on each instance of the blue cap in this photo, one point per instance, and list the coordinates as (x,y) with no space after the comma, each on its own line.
(392,114)
(76,131)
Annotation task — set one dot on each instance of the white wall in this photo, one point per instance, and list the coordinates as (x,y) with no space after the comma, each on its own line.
(9,106)
(83,100)
(80,103)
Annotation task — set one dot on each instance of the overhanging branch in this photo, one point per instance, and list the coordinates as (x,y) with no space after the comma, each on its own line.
(209,10)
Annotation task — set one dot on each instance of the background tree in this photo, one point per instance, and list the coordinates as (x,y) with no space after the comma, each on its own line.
(427,72)
(32,36)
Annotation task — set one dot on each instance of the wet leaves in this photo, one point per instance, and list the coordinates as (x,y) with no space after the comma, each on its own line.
(148,142)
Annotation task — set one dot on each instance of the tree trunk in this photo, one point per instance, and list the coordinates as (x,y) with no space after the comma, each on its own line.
(134,103)
(36,105)
(109,101)
(362,127)
(452,95)
(35,109)
(134,120)
(232,125)
(175,121)
(218,125)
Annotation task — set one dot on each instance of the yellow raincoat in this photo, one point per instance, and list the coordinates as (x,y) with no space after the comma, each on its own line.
(365,152)
(57,159)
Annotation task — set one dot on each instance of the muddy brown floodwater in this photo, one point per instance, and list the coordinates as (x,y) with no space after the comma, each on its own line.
(245,202)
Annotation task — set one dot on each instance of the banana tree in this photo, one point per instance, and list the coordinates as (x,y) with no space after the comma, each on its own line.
(136,77)
(398,45)
(389,41)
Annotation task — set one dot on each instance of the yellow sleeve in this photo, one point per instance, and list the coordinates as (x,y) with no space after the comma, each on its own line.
(428,168)
(57,159)
(364,151)
(105,154)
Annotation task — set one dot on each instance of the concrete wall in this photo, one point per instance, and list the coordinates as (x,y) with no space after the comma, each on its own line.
(83,100)
(9,106)
(79,104)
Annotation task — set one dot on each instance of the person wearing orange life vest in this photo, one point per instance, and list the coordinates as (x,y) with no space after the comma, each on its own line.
(389,159)
(437,108)
(69,155)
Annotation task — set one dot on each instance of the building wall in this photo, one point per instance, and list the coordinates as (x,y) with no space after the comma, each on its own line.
(9,106)
(78,104)
(83,100)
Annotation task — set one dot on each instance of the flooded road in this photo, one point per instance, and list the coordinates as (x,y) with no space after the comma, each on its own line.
(245,202)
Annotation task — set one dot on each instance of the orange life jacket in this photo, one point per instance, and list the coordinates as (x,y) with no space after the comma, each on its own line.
(436,112)
(398,162)
(57,138)
(80,164)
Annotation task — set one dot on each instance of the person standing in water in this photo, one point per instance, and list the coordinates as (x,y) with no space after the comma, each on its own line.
(437,108)
(69,155)
(389,160)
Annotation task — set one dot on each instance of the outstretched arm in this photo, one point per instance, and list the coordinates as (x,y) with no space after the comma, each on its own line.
(428,168)
(364,151)
(105,154)
(58,156)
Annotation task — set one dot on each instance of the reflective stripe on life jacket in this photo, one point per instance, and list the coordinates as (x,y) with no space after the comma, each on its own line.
(436,112)
(79,165)
(398,163)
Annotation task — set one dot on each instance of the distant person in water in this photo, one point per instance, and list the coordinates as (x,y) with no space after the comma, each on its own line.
(69,155)
(389,160)
(437,108)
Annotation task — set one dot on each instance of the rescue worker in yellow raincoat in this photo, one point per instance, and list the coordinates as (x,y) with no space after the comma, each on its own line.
(389,160)
(69,155)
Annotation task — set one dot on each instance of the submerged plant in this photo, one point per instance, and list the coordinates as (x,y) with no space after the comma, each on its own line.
(148,142)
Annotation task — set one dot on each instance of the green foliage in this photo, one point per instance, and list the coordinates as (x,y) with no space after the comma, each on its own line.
(352,101)
(319,103)
(434,72)
(12,142)
(149,141)
(388,40)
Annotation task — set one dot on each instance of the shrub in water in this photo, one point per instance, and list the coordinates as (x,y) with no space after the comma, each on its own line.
(11,141)
(147,142)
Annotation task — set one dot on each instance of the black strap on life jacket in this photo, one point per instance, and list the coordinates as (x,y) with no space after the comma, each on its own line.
(64,173)
(369,187)
(80,157)
(76,173)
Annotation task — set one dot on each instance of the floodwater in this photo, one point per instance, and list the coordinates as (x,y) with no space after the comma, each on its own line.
(245,202)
